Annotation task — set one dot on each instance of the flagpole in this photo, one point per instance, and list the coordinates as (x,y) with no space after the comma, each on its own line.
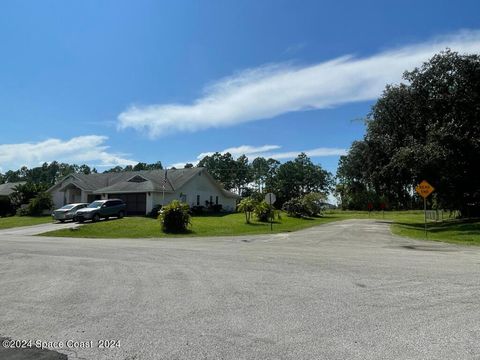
(163,188)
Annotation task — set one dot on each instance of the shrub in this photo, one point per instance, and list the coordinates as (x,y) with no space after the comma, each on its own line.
(36,206)
(6,207)
(217,208)
(175,217)
(307,205)
(197,210)
(312,203)
(155,211)
(247,206)
(263,212)
(295,207)
(23,193)
(23,211)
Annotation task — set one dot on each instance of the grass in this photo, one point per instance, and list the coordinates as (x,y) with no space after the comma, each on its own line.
(16,221)
(404,223)
(224,225)
(465,232)
(412,224)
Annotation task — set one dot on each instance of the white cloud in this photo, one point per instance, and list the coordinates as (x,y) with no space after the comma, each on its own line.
(90,149)
(317,152)
(265,151)
(243,149)
(269,91)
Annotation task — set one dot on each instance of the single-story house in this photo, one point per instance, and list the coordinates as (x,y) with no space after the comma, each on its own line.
(142,190)
(8,188)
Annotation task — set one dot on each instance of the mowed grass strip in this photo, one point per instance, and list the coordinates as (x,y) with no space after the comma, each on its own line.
(412,224)
(404,223)
(220,225)
(466,232)
(224,225)
(18,221)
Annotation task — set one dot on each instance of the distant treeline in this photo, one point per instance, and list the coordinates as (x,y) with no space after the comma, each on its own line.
(50,173)
(287,180)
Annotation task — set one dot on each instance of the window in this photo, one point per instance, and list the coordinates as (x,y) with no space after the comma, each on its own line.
(216,200)
(198,200)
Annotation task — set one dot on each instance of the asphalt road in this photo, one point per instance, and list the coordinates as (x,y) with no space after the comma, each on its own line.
(346,290)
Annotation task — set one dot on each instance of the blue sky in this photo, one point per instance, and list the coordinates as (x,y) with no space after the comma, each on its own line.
(117,82)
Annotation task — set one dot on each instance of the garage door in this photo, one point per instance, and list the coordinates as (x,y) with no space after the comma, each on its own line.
(136,203)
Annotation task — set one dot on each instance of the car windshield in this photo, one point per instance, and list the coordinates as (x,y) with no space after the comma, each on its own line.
(67,207)
(95,204)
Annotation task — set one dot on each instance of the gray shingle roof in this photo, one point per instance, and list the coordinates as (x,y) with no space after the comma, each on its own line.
(118,182)
(7,188)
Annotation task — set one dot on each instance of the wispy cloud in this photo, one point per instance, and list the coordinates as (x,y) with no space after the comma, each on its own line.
(243,150)
(90,149)
(269,91)
(295,48)
(266,151)
(317,152)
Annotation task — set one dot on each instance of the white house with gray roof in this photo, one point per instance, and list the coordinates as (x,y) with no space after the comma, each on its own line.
(142,190)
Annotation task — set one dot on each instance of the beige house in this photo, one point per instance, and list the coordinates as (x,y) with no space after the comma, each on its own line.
(142,190)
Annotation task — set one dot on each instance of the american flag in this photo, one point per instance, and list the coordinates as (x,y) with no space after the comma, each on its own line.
(165,179)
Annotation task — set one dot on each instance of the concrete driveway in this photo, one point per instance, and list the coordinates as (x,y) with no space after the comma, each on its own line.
(36,229)
(347,290)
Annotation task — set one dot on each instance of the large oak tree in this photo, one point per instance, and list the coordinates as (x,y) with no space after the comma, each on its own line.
(427,128)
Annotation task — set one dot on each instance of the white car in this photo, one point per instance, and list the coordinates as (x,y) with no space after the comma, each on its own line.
(67,212)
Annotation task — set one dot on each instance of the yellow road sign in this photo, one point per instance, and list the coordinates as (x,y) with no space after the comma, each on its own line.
(424,189)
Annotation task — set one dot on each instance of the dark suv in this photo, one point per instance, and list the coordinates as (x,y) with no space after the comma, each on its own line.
(102,209)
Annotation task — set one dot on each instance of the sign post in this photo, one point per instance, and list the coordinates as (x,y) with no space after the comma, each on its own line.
(382,206)
(270,199)
(424,189)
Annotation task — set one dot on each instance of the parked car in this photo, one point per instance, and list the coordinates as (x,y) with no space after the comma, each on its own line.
(102,209)
(67,212)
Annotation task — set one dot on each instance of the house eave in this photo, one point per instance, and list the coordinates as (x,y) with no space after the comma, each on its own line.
(132,192)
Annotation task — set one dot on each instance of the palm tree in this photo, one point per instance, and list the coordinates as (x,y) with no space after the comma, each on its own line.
(247,205)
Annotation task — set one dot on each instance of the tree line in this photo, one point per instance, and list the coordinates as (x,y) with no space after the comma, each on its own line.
(287,180)
(427,128)
(49,173)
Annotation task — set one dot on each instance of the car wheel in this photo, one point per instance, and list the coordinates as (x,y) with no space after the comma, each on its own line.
(96,218)
(80,220)
(62,221)
(121,214)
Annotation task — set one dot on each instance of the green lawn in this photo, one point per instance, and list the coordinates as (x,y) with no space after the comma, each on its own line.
(452,231)
(411,224)
(16,221)
(229,224)
(404,223)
